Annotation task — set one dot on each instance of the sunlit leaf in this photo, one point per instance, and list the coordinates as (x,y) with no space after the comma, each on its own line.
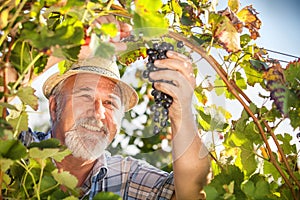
(249,16)
(253,76)
(27,96)
(18,120)
(234,5)
(42,154)
(65,178)
(228,35)
(109,29)
(5,164)
(130,57)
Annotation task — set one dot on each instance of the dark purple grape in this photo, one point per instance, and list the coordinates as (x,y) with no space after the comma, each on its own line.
(180,44)
(146,73)
(162,100)
(156,130)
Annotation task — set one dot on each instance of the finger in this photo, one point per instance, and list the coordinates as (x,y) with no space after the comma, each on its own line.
(185,68)
(179,56)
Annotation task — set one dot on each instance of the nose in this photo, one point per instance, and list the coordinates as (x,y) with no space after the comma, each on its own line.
(99,109)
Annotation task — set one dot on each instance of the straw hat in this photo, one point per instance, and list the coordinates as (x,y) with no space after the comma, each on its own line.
(95,65)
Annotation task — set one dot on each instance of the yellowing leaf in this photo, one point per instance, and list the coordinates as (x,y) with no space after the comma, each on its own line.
(65,178)
(147,6)
(249,16)
(228,35)
(234,5)
(26,94)
(109,29)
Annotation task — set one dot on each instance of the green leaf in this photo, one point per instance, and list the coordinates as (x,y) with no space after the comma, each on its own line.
(18,120)
(286,145)
(12,149)
(292,74)
(240,81)
(269,169)
(49,143)
(253,76)
(5,164)
(61,155)
(247,159)
(294,117)
(249,188)
(46,183)
(229,174)
(107,196)
(211,193)
(26,94)
(65,178)
(42,154)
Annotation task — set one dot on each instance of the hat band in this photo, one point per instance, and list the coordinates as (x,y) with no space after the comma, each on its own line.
(98,70)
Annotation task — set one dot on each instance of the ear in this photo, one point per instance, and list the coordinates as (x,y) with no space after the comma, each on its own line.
(52,108)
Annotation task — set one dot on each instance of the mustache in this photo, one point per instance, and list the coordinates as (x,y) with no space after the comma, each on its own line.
(92,124)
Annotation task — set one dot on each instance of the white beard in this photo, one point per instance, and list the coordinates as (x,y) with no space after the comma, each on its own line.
(85,145)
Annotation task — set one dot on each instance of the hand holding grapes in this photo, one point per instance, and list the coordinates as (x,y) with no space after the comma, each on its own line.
(175,77)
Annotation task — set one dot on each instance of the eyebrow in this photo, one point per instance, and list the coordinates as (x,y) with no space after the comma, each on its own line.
(82,89)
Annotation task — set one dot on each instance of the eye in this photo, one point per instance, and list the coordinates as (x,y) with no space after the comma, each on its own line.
(110,104)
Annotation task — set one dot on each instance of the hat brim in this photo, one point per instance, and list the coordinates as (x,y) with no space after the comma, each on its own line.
(129,95)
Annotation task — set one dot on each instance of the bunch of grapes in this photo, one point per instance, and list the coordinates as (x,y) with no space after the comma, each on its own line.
(162,100)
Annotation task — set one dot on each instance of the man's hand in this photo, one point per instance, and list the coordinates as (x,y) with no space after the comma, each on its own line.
(190,161)
(124,30)
(180,72)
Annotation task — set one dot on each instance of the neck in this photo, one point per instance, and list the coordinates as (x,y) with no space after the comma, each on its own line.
(77,167)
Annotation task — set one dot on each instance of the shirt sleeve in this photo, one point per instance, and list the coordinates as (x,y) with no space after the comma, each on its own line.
(29,136)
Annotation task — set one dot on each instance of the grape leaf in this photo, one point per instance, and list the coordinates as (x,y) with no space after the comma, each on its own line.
(270,169)
(18,120)
(282,96)
(228,35)
(249,16)
(292,74)
(234,5)
(65,178)
(26,94)
(259,65)
(147,20)
(253,76)
(42,153)
(286,146)
(12,149)
(130,57)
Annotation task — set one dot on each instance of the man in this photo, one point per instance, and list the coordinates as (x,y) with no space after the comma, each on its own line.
(86,106)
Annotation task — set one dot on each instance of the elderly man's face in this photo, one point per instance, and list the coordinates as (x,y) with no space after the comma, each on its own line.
(88,114)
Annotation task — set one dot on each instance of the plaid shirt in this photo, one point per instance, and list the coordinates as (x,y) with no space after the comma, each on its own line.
(128,177)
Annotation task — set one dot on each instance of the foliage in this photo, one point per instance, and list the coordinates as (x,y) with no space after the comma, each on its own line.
(247,167)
